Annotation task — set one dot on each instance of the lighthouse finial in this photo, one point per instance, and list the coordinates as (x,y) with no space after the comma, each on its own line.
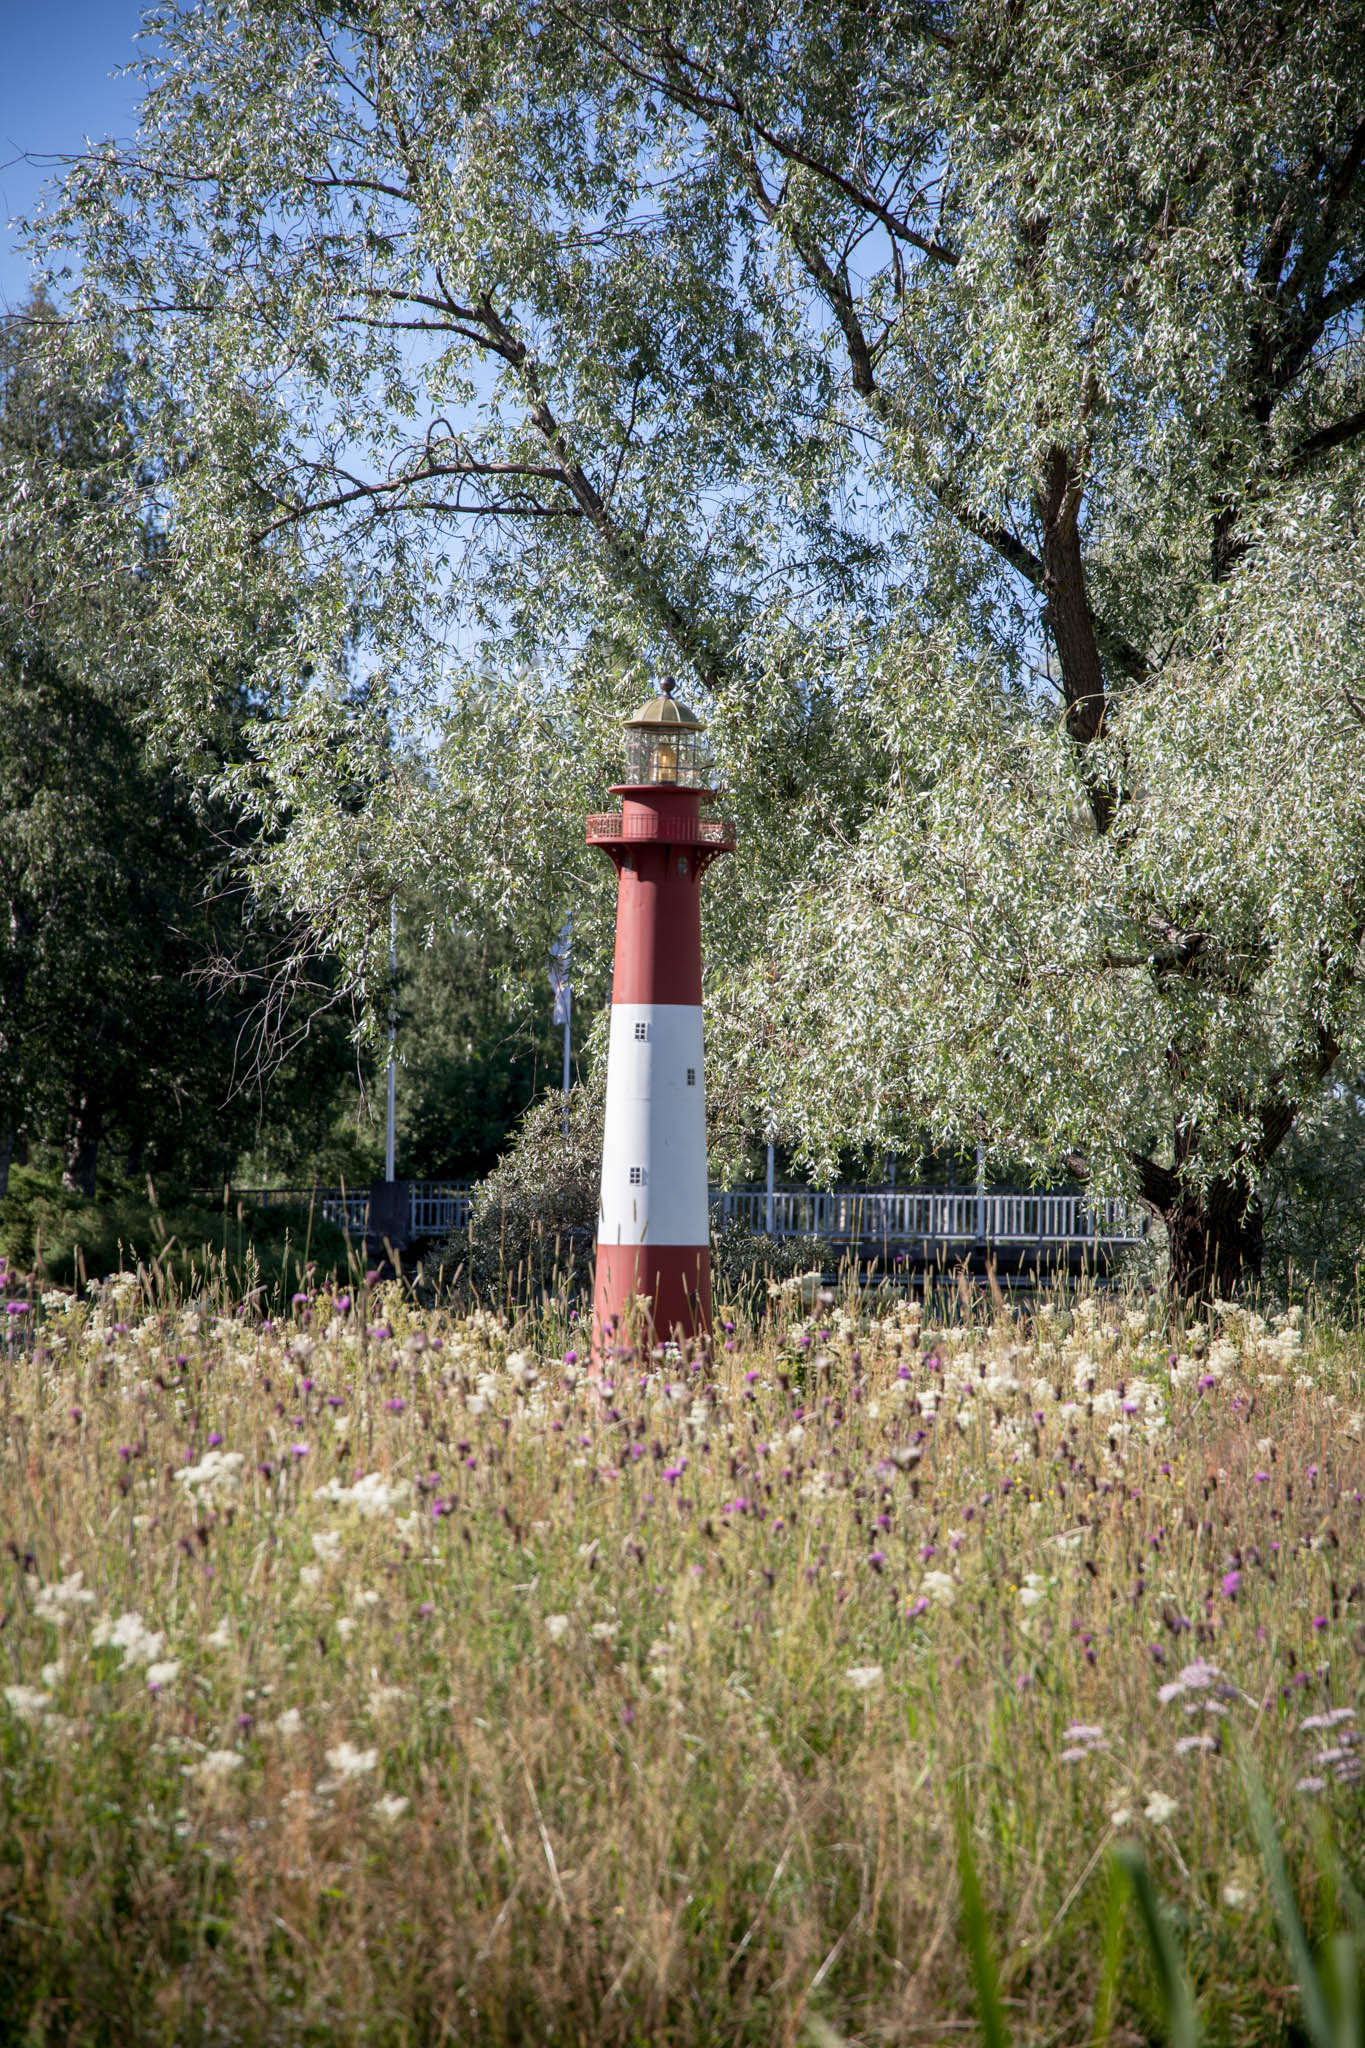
(668,685)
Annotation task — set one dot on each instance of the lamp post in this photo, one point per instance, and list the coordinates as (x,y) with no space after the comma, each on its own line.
(653,1224)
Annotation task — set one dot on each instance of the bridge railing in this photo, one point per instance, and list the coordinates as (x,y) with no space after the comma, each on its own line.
(347,1208)
(867,1216)
(438,1207)
(910,1215)
(435,1207)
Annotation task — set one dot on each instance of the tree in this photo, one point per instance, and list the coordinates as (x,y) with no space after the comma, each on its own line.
(475,1041)
(114,874)
(968,397)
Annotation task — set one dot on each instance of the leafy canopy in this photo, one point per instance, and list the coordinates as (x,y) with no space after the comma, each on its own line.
(967,399)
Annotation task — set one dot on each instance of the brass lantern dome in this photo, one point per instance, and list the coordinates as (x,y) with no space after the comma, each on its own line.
(664,743)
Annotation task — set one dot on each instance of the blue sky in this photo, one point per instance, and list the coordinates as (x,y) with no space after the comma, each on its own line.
(55,90)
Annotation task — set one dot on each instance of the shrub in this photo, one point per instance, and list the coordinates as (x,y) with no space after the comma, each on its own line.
(65,1237)
(533,1223)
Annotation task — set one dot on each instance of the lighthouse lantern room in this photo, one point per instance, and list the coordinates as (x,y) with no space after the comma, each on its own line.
(653,1227)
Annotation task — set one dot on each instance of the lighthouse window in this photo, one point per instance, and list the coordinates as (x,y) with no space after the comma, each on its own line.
(682,863)
(638,1176)
(691,1077)
(642,1031)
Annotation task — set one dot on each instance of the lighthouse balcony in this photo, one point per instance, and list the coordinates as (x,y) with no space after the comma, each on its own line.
(615,828)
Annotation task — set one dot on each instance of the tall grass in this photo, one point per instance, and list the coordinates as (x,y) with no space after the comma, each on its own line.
(371,1675)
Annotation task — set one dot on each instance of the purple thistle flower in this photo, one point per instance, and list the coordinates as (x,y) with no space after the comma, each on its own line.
(1232,1582)
(215,1438)
(300,1450)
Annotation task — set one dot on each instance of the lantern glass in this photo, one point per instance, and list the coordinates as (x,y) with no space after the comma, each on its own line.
(666,754)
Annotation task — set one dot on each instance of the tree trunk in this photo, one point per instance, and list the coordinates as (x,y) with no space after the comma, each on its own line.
(1215,1242)
(6,1152)
(84,1118)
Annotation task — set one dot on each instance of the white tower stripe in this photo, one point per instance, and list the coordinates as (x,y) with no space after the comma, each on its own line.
(654,1141)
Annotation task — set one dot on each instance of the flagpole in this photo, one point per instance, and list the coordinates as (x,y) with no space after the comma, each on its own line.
(568,1026)
(561,981)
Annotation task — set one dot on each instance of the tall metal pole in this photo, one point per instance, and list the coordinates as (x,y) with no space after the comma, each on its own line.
(770,1223)
(568,1028)
(393,1037)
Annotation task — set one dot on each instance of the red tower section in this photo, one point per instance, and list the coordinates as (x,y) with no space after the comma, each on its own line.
(653,1240)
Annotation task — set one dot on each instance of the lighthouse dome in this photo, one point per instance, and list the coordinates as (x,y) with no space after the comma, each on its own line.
(664,742)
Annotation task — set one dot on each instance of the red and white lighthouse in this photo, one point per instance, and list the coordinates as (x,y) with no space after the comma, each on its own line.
(653,1225)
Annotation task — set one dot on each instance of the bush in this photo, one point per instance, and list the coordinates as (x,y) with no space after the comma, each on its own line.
(745,1263)
(65,1238)
(533,1224)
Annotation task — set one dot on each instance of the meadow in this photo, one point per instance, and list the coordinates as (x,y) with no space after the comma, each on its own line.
(370,1674)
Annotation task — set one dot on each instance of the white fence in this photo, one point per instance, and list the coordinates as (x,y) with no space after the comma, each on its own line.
(874,1216)
(437,1208)
(865,1216)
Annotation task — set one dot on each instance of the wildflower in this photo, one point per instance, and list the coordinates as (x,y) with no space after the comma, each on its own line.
(864,1677)
(603,1631)
(1232,1582)
(218,1765)
(289,1723)
(139,1644)
(371,1495)
(1160,1808)
(556,1627)
(219,1638)
(327,1545)
(162,1674)
(1332,1720)
(391,1807)
(1033,1591)
(1187,1743)
(58,1603)
(216,1472)
(1311,1784)
(940,1587)
(1121,1817)
(349,1762)
(27,1702)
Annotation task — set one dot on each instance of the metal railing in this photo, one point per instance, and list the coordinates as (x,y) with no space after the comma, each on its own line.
(929,1215)
(866,1216)
(436,1207)
(680,831)
(347,1208)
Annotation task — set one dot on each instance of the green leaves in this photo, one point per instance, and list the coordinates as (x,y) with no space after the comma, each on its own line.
(907,382)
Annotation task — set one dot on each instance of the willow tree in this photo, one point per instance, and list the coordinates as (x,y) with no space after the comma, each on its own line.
(966,399)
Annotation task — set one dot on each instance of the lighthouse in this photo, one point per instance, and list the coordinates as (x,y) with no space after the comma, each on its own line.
(653,1223)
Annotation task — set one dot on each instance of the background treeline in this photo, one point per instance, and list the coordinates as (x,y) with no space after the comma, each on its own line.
(146,1029)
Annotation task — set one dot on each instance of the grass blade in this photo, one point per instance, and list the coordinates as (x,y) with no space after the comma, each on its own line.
(1182,2020)
(1111,1955)
(976,1934)
(1316,2019)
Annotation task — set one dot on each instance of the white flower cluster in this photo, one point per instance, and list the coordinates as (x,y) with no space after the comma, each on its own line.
(372,1495)
(216,1472)
(60,1602)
